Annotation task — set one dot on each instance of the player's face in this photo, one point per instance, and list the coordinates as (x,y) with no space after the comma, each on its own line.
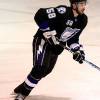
(80,7)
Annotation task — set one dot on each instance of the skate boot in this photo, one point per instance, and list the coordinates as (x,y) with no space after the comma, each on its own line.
(21,91)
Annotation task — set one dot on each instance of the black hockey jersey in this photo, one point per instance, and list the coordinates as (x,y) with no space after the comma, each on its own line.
(62,20)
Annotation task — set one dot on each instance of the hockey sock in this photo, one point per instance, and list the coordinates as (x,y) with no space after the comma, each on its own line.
(30,83)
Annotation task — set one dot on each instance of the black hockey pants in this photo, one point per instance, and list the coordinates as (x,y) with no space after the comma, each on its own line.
(43,58)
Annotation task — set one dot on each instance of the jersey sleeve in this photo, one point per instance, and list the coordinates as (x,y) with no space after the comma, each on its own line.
(84,21)
(46,17)
(75,39)
(41,19)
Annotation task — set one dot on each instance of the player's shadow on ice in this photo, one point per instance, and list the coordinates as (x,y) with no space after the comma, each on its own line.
(41,97)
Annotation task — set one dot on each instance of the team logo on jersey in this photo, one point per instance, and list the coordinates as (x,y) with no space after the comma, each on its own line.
(68,33)
(61,10)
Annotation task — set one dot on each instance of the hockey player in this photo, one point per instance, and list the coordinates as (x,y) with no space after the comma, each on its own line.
(55,23)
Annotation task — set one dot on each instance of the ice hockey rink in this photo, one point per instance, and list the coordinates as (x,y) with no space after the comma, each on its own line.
(69,80)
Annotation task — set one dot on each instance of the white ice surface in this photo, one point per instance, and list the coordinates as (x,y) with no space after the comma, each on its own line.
(69,80)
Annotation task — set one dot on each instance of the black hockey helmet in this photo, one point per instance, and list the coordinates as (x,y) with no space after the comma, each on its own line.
(75,1)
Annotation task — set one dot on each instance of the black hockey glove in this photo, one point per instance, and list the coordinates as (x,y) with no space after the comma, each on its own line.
(78,53)
(79,56)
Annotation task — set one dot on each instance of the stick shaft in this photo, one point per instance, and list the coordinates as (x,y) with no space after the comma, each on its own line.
(88,62)
(92,64)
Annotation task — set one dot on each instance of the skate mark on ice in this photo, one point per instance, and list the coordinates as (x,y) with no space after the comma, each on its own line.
(42,97)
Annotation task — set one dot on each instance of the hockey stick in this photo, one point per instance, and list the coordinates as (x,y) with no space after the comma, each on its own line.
(57,41)
(88,62)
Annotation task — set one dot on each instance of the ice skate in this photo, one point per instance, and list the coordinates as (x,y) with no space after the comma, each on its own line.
(20,92)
